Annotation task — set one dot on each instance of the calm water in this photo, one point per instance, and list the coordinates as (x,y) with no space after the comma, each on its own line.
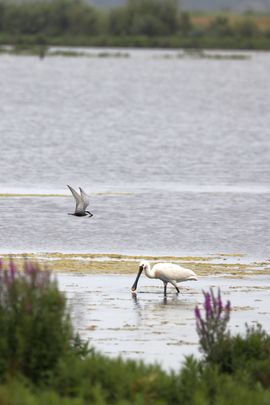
(149,326)
(187,139)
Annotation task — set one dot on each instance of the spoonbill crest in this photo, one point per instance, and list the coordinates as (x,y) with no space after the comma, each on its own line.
(166,272)
(82,202)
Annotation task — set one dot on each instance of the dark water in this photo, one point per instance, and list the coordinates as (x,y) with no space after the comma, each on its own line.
(187,138)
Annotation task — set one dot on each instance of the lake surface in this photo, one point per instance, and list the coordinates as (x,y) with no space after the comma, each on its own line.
(178,147)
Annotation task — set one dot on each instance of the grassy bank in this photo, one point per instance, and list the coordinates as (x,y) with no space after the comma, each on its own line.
(168,42)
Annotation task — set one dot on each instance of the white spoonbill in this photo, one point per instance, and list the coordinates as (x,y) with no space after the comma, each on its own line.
(82,202)
(166,272)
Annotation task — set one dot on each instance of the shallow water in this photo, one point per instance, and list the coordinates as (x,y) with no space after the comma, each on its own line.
(149,327)
(188,138)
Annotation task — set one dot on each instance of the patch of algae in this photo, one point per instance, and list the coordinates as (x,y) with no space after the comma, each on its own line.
(127,264)
(230,254)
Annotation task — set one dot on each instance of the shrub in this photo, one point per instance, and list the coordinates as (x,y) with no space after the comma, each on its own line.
(114,380)
(245,356)
(35,327)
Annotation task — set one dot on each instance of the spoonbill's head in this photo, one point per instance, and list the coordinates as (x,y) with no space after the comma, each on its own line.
(142,266)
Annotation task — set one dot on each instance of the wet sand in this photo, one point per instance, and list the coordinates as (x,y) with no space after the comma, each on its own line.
(148,327)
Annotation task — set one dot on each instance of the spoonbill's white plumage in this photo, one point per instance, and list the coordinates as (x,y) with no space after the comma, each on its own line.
(166,272)
(82,202)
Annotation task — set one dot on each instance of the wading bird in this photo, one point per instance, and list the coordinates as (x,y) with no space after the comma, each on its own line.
(82,202)
(166,272)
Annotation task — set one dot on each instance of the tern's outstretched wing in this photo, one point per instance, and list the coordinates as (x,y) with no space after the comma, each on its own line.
(78,199)
(85,198)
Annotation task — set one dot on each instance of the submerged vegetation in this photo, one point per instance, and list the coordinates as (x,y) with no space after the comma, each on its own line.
(138,23)
(42,361)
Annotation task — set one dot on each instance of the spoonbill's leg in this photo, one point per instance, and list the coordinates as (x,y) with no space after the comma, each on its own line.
(165,288)
(175,285)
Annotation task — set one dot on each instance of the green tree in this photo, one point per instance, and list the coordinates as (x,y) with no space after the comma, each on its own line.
(117,21)
(185,24)
(246,28)
(153,17)
(82,19)
(220,26)
(2,15)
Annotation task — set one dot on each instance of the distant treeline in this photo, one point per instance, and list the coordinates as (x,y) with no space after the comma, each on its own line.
(138,23)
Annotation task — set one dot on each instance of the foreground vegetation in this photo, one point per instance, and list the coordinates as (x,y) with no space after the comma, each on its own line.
(139,23)
(42,361)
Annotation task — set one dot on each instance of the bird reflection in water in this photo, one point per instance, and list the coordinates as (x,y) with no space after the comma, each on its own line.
(164,301)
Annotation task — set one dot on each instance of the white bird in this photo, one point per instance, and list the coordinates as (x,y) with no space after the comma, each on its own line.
(166,272)
(82,202)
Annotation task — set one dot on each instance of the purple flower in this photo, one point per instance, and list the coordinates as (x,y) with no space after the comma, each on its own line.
(211,327)
(12,269)
(207,304)
(197,313)
(228,306)
(220,305)
(28,267)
